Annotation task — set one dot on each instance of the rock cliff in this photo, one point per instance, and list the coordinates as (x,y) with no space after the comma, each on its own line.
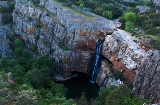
(147,80)
(70,37)
(5,50)
(60,32)
(125,52)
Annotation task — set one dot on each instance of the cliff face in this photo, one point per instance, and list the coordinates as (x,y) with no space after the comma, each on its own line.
(71,38)
(61,33)
(125,52)
(147,80)
(5,50)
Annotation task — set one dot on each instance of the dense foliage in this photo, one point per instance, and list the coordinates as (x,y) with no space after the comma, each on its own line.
(108,8)
(32,78)
(118,96)
(7,12)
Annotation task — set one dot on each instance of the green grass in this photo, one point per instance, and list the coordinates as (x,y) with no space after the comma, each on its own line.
(155,37)
(91,15)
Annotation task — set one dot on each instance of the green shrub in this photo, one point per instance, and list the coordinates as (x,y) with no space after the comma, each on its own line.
(122,96)
(7,18)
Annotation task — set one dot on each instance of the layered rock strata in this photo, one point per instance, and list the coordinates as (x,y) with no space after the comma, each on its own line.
(147,80)
(125,52)
(61,33)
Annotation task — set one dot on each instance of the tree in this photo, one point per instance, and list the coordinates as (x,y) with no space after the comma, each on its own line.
(83,99)
(19,43)
(117,96)
(100,100)
(38,77)
(81,4)
(129,26)
(7,18)
(58,89)
(107,14)
(27,97)
(130,16)
(26,54)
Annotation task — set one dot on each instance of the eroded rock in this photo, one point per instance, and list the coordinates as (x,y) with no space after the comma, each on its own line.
(125,52)
(61,33)
(147,80)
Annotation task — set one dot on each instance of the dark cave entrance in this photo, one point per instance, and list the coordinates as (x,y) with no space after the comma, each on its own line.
(79,84)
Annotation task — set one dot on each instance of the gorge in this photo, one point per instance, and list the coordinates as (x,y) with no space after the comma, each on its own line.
(77,42)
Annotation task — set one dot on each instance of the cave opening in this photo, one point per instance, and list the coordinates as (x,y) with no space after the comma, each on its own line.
(79,84)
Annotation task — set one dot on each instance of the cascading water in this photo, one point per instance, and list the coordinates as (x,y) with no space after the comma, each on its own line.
(98,51)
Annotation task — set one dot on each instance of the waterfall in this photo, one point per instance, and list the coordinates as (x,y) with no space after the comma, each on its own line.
(98,51)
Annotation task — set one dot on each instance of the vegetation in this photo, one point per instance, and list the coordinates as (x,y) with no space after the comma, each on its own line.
(118,96)
(32,79)
(108,9)
(7,12)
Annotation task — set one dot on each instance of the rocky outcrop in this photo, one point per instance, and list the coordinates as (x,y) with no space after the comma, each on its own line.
(147,80)
(125,52)
(61,33)
(104,72)
(142,9)
(156,2)
(5,50)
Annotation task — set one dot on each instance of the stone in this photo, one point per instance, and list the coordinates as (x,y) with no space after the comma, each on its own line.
(67,36)
(143,9)
(103,73)
(147,80)
(124,52)
(5,50)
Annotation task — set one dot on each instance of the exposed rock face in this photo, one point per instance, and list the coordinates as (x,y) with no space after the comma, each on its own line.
(70,38)
(147,80)
(4,45)
(104,72)
(143,9)
(125,52)
(61,33)
(156,2)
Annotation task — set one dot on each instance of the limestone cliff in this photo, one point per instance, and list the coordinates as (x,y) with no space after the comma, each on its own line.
(61,33)
(125,52)
(70,37)
(147,80)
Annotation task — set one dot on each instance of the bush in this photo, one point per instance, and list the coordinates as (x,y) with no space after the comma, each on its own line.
(35,2)
(122,96)
(100,100)
(7,18)
(27,97)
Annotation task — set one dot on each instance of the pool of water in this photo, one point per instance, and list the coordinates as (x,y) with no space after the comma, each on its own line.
(80,84)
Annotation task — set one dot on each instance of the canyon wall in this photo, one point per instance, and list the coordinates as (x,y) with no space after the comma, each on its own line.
(70,37)
(61,33)
(147,80)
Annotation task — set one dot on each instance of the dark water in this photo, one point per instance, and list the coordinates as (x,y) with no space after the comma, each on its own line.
(80,84)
